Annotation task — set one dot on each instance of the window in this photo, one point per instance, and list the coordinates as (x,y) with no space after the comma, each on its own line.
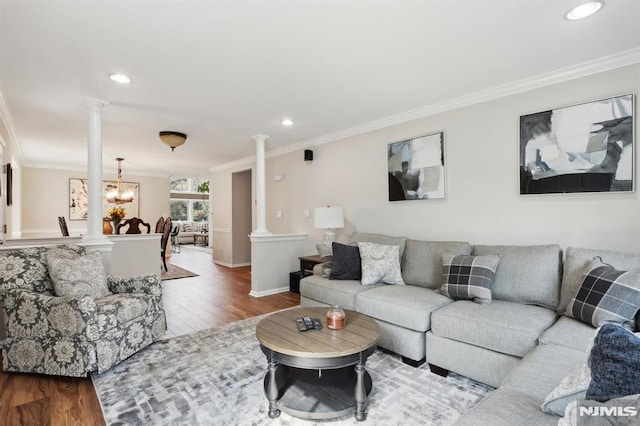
(187,204)
(179,185)
(179,209)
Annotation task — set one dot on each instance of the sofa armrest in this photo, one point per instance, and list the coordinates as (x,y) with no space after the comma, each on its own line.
(147,284)
(37,315)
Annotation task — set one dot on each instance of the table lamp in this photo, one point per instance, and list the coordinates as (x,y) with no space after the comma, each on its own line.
(328,218)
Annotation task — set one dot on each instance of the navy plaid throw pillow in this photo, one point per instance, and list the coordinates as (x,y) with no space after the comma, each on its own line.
(468,277)
(606,296)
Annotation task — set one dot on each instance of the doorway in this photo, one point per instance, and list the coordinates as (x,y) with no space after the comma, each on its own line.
(241,217)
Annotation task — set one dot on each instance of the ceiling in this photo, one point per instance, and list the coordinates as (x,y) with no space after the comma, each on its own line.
(222,70)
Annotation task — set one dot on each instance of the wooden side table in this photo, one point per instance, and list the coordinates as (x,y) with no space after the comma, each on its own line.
(308,262)
(306,268)
(202,236)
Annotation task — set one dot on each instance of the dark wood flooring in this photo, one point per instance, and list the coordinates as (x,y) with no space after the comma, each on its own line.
(218,296)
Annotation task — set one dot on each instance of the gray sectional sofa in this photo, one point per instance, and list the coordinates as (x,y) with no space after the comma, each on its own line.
(521,343)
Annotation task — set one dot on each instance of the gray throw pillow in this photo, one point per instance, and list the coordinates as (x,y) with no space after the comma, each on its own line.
(468,277)
(606,296)
(614,363)
(82,276)
(346,262)
(380,263)
(324,250)
(571,388)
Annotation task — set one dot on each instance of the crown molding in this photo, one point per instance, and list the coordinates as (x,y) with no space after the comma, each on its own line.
(606,63)
(246,161)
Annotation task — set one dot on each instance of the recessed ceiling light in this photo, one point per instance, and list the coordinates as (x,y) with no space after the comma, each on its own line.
(120,78)
(584,10)
(287,122)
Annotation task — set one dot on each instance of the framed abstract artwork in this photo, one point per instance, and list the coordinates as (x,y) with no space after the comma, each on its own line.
(580,148)
(416,169)
(78,198)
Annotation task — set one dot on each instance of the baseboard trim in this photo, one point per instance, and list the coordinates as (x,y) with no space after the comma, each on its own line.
(231,265)
(268,292)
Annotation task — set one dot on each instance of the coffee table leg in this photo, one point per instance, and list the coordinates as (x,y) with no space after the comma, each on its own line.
(360,393)
(272,390)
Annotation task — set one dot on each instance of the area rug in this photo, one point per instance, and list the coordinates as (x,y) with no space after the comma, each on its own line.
(215,377)
(175,272)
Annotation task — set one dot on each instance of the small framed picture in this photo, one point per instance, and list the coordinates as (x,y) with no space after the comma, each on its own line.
(416,168)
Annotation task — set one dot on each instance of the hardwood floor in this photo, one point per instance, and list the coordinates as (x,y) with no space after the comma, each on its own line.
(217,296)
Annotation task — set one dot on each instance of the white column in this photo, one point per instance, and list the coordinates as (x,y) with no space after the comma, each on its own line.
(261,209)
(94,170)
(94,240)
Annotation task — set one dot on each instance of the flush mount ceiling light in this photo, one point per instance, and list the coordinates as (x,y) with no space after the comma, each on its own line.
(584,10)
(120,78)
(287,122)
(118,195)
(172,139)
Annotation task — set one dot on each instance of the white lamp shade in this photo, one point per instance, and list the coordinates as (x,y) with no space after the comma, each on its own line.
(328,217)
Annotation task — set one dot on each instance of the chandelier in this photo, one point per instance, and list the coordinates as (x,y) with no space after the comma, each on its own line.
(119,195)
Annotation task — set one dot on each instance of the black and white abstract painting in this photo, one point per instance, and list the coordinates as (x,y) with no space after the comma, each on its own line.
(581,148)
(416,168)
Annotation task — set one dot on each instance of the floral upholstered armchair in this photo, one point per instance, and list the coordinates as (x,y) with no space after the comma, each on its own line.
(65,316)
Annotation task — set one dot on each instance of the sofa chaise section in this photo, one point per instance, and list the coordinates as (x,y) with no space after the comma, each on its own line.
(525,294)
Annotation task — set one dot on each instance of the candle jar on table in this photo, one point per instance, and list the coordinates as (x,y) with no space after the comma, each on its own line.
(335,318)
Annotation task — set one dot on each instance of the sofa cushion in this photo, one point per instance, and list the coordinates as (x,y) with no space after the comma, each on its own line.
(118,309)
(380,263)
(614,363)
(606,295)
(386,240)
(187,227)
(542,369)
(332,292)
(422,261)
(505,327)
(405,306)
(468,277)
(577,259)
(526,274)
(80,276)
(26,268)
(569,333)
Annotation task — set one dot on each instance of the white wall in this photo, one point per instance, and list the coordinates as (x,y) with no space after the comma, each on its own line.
(45,196)
(483,204)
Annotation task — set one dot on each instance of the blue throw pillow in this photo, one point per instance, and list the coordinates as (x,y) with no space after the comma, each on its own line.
(346,262)
(614,363)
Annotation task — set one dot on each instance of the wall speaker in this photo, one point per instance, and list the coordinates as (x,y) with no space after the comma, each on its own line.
(308,155)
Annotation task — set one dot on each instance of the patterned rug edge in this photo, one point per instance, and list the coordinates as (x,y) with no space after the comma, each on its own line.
(176,272)
(204,383)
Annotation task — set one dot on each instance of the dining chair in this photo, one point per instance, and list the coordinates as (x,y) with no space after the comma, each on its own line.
(159,225)
(166,231)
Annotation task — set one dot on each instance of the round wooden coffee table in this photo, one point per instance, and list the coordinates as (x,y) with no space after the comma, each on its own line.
(311,373)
